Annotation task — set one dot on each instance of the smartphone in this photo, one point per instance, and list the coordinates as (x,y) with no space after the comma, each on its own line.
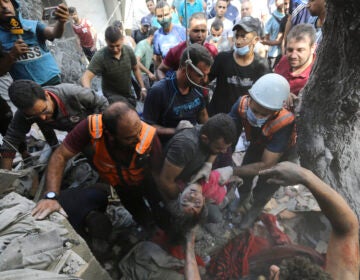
(49,13)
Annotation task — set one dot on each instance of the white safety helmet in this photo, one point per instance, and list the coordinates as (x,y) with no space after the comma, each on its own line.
(270,91)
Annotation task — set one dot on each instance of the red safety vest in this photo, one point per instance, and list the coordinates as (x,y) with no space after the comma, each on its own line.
(280,119)
(113,173)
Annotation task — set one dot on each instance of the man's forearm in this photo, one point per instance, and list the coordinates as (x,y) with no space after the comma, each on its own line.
(251,169)
(55,171)
(191,267)
(138,77)
(160,130)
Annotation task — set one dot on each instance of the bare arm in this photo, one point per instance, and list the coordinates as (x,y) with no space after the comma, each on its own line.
(144,69)
(287,29)
(203,116)
(137,73)
(161,130)
(191,267)
(168,174)
(54,175)
(268,160)
(275,42)
(343,248)
(87,78)
(157,61)
(8,59)
(161,71)
(56,31)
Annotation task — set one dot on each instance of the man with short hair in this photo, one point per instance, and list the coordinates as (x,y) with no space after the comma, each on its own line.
(178,98)
(28,57)
(85,31)
(220,11)
(144,53)
(231,13)
(143,32)
(271,132)
(246,9)
(197,34)
(59,107)
(236,71)
(192,151)
(127,156)
(216,38)
(169,35)
(295,66)
(114,64)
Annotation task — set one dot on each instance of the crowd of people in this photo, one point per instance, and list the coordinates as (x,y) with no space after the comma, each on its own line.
(206,72)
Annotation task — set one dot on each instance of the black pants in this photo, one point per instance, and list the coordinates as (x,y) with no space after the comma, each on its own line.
(145,204)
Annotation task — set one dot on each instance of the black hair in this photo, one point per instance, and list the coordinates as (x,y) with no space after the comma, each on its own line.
(182,222)
(152,30)
(198,15)
(197,53)
(115,113)
(299,268)
(72,10)
(217,24)
(113,33)
(220,126)
(161,4)
(24,93)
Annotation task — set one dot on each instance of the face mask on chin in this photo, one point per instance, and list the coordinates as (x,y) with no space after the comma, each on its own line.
(215,39)
(242,51)
(165,23)
(253,120)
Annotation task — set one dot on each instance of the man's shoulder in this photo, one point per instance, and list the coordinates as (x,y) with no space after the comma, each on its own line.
(177,27)
(211,48)
(178,49)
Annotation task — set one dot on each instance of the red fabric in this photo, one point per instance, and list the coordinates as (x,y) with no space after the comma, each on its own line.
(173,56)
(161,239)
(297,82)
(212,189)
(233,261)
(83,30)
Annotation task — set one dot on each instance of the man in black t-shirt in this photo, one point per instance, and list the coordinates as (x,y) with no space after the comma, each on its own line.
(143,32)
(237,70)
(190,153)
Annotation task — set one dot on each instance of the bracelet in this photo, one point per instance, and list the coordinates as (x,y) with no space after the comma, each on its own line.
(142,89)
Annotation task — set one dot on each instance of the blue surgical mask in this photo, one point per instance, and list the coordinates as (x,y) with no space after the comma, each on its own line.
(242,51)
(215,39)
(253,120)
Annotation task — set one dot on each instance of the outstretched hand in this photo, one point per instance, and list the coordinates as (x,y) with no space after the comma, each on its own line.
(284,173)
(45,207)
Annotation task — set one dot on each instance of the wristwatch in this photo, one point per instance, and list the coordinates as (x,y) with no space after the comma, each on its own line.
(51,195)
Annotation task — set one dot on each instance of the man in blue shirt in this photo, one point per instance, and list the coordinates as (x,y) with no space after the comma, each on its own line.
(177,97)
(27,57)
(169,35)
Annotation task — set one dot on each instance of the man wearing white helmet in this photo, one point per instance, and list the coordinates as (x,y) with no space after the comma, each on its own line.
(271,132)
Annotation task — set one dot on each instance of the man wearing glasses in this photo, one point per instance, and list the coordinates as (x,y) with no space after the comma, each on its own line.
(197,32)
(54,107)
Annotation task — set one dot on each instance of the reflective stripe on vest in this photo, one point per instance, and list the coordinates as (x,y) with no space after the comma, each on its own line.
(108,169)
(281,119)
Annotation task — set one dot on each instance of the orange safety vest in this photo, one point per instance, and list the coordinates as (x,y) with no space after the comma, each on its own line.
(280,119)
(113,173)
